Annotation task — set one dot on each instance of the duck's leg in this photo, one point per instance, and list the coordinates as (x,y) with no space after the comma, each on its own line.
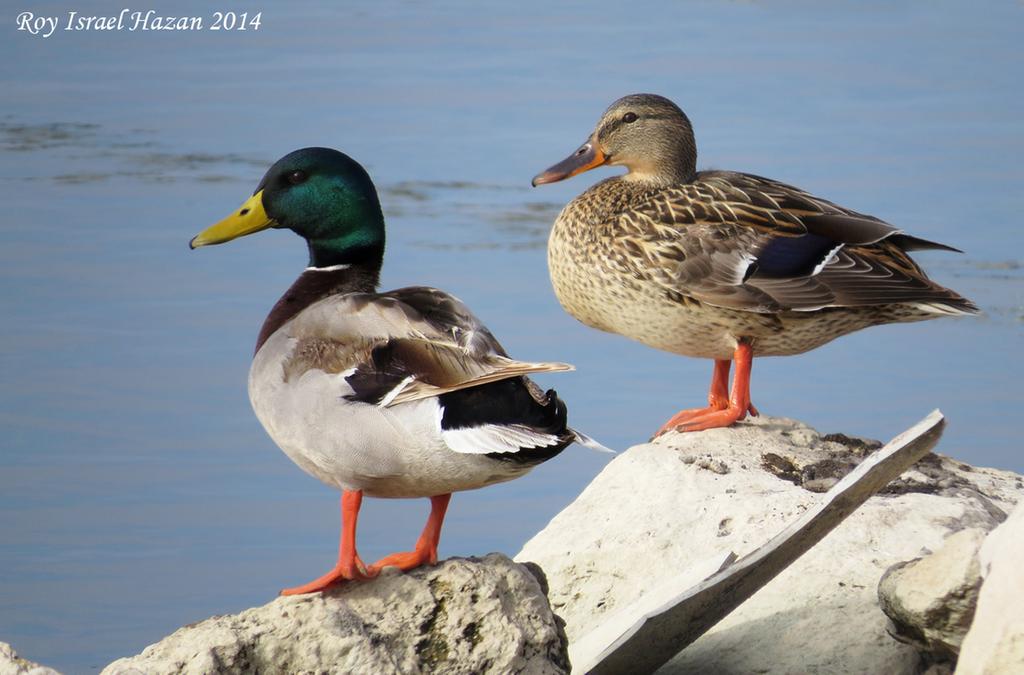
(722,409)
(349,566)
(426,545)
(739,399)
(718,398)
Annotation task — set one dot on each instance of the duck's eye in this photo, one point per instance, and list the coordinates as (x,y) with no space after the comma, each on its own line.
(296,177)
(629,117)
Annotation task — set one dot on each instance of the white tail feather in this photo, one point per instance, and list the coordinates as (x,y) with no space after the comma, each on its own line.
(589,442)
(943,309)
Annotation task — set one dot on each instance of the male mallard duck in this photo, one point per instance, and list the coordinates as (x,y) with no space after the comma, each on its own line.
(720,264)
(397,394)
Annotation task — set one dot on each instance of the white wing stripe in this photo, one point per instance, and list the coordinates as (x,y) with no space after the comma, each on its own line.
(495,438)
(831,257)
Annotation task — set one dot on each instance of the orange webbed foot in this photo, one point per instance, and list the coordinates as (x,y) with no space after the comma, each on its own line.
(355,571)
(715,419)
(406,560)
(682,417)
(694,419)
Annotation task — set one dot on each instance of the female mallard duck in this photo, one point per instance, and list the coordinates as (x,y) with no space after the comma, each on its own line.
(720,264)
(397,394)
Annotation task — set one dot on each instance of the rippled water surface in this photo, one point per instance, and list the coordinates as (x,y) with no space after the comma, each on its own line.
(137,490)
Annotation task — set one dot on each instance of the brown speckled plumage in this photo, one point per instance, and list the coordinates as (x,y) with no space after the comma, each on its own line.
(676,263)
(700,263)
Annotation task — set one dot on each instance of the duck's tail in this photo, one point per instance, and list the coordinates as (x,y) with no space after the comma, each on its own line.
(589,442)
(953,306)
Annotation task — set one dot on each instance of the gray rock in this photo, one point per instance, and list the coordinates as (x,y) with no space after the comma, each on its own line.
(12,664)
(471,615)
(995,642)
(662,507)
(931,600)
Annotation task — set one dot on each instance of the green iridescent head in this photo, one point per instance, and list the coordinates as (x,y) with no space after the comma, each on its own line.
(322,195)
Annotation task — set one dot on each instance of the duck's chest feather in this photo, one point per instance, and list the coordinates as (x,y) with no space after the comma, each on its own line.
(582,248)
(594,284)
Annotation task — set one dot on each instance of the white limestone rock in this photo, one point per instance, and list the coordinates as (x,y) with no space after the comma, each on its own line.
(486,615)
(931,600)
(12,664)
(995,642)
(662,507)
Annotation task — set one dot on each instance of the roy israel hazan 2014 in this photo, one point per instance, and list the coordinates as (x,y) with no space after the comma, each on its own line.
(133,20)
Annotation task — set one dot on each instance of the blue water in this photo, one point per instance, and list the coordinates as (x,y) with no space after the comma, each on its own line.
(138,492)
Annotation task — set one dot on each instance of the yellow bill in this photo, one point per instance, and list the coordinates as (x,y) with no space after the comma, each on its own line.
(249,218)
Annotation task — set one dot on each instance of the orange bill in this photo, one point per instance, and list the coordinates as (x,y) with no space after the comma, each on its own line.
(587,157)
